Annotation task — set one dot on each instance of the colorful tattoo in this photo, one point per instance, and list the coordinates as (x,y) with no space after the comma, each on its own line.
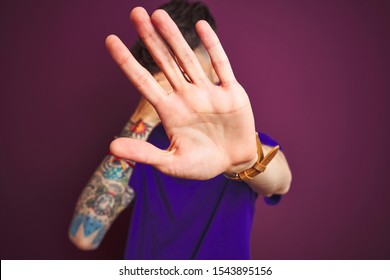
(107,193)
(75,224)
(98,238)
(108,199)
(104,204)
(138,129)
(113,173)
(90,225)
(116,168)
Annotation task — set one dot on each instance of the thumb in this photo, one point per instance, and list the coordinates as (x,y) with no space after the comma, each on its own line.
(140,151)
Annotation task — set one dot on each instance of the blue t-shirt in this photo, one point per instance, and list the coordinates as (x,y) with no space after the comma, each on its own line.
(189,219)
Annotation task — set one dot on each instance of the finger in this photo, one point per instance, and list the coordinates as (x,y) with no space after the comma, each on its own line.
(185,55)
(157,47)
(140,151)
(218,56)
(138,75)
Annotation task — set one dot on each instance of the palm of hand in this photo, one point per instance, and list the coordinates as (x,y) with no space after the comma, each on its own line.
(210,128)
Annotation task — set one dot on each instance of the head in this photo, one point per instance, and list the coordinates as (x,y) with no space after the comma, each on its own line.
(185,15)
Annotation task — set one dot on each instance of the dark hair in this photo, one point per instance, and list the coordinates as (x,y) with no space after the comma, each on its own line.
(185,15)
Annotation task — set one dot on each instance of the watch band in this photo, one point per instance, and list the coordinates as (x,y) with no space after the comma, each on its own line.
(259,166)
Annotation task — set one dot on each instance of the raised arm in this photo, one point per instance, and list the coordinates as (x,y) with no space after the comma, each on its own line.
(211,127)
(107,192)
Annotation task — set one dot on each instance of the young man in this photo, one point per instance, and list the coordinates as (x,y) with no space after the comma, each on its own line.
(197,179)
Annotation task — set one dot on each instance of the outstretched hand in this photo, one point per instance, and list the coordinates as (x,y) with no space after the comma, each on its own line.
(211,128)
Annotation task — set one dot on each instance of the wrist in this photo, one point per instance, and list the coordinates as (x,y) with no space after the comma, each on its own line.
(258,166)
(146,112)
(243,166)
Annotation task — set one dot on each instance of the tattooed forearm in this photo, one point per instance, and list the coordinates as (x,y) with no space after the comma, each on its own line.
(108,198)
(106,194)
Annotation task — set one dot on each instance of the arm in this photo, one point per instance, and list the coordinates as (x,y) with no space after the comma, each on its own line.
(107,193)
(211,127)
(275,180)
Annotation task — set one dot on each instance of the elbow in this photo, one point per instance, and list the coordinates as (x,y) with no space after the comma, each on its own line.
(82,243)
(78,229)
(284,185)
(284,189)
(282,177)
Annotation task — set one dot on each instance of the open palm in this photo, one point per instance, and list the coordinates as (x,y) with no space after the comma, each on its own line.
(210,128)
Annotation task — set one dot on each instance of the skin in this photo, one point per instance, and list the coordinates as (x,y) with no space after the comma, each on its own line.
(211,128)
(107,193)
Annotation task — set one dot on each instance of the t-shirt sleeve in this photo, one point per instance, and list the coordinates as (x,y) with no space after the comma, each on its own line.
(266,140)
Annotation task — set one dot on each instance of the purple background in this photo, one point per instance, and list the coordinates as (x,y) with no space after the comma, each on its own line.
(317,73)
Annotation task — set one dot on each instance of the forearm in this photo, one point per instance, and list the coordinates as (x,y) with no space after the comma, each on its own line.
(104,197)
(277,177)
(106,194)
